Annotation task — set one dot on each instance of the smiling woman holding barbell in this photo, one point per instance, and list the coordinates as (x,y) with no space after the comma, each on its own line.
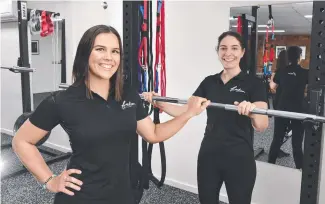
(101,116)
(226,153)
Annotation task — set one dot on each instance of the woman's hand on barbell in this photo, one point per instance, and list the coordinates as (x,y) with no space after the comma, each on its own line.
(245,107)
(148,97)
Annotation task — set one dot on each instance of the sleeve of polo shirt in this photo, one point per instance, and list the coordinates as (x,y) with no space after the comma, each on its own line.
(200,91)
(141,112)
(258,92)
(46,114)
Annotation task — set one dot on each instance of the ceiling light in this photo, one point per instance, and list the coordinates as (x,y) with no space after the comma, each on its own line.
(308,16)
(260,26)
(276,31)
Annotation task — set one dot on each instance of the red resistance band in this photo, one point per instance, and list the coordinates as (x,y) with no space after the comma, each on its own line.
(239,25)
(47,26)
(269,58)
(160,50)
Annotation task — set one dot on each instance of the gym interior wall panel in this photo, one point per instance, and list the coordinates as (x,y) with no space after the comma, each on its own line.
(48,74)
(11,100)
(92,14)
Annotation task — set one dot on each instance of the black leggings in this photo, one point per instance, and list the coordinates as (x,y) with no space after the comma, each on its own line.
(297,128)
(235,166)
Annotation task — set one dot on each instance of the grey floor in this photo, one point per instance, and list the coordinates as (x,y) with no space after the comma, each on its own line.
(263,140)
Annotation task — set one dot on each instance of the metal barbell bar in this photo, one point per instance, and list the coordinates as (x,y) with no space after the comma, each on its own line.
(270,112)
(17,69)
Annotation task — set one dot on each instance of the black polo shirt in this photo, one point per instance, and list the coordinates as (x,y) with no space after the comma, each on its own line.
(228,128)
(292,81)
(99,131)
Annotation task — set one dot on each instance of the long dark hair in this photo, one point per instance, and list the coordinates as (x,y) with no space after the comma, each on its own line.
(80,73)
(282,60)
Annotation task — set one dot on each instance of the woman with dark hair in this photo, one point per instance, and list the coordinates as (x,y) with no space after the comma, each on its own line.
(226,154)
(281,63)
(101,115)
(292,81)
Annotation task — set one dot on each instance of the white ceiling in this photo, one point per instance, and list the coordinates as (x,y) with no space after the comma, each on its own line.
(288,17)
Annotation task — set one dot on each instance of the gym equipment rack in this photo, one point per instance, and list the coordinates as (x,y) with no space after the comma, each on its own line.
(23,61)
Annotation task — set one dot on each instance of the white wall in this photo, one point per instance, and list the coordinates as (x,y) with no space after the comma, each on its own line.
(47,63)
(190,57)
(10,82)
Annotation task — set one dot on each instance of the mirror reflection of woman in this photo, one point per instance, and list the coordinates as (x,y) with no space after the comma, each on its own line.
(292,81)
(226,153)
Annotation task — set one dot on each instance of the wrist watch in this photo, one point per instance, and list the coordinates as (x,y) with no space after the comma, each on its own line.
(49,179)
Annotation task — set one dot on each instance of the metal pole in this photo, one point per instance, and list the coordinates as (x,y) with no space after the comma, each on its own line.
(24,55)
(270,112)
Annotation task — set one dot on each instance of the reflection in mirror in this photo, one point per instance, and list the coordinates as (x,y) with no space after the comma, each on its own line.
(47,58)
(282,62)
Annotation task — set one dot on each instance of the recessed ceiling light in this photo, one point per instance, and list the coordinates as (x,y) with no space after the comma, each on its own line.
(308,16)
(276,31)
(260,26)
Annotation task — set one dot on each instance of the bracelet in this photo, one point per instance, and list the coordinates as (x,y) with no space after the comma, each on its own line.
(49,179)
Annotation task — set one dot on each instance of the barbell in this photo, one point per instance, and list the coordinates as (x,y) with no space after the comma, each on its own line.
(17,69)
(228,107)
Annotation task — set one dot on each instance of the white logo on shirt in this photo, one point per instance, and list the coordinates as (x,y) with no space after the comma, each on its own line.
(235,89)
(127,105)
(292,73)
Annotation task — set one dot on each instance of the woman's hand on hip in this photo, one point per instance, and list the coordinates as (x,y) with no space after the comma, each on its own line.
(64,180)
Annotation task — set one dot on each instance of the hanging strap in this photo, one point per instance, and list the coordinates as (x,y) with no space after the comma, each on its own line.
(163,81)
(239,25)
(159,67)
(143,47)
(148,76)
